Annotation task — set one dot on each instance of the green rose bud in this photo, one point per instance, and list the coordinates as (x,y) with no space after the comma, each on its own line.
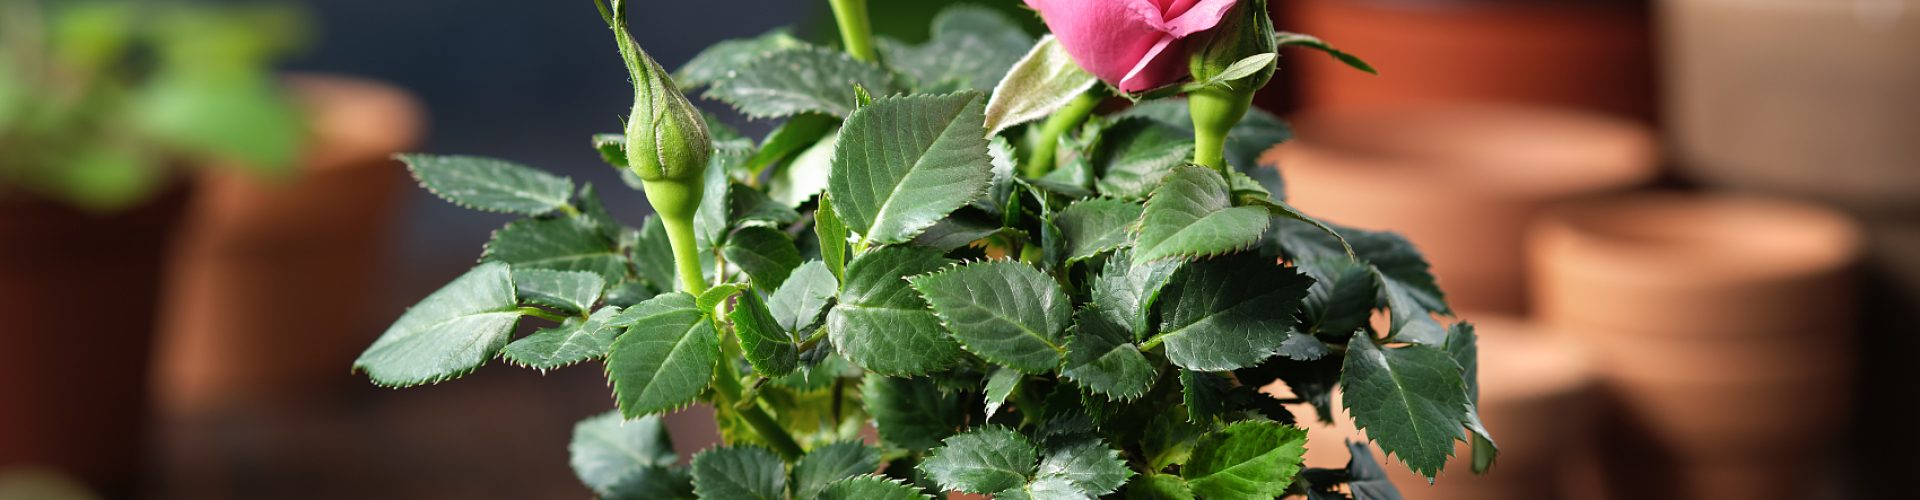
(1245,32)
(667,139)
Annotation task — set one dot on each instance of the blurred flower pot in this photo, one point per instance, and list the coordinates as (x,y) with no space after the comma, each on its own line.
(1536,397)
(78,300)
(1460,180)
(1741,343)
(268,300)
(1588,54)
(1798,97)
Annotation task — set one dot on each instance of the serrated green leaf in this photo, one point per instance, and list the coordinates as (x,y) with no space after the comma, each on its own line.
(1191,215)
(1303,347)
(1006,312)
(653,255)
(654,483)
(1228,313)
(747,205)
(710,220)
(743,472)
(1365,477)
(1169,438)
(880,324)
(1286,39)
(723,59)
(910,413)
(764,343)
(1134,156)
(1411,400)
(1103,358)
(1403,276)
(571,292)
(1342,297)
(1044,488)
(905,162)
(607,450)
(1000,386)
(1094,468)
(666,359)
(1239,69)
(958,231)
(1126,290)
(576,340)
(983,460)
(806,175)
(833,236)
(766,254)
(1463,346)
(449,333)
(716,295)
(872,488)
(831,463)
(1158,487)
(1040,83)
(1411,321)
(560,244)
(1095,226)
(1205,394)
(803,298)
(802,80)
(1248,459)
(490,185)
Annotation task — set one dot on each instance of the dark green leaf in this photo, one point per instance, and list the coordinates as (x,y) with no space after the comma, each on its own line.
(1342,297)
(1000,386)
(1228,313)
(766,345)
(1133,156)
(654,483)
(560,244)
(653,255)
(880,324)
(490,185)
(1463,346)
(806,144)
(1158,487)
(1169,438)
(576,340)
(710,221)
(803,298)
(1126,290)
(910,413)
(1103,358)
(764,253)
(1045,488)
(1192,216)
(872,488)
(1365,477)
(721,60)
(449,333)
(1258,132)
(1096,225)
(742,472)
(957,231)
(666,359)
(1094,468)
(1248,459)
(607,450)
(831,463)
(905,162)
(1411,400)
(983,460)
(1006,312)
(753,205)
(802,80)
(971,48)
(572,292)
(833,236)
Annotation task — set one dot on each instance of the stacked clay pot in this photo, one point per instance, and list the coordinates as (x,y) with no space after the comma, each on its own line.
(1460,180)
(273,279)
(1536,397)
(1722,326)
(1586,54)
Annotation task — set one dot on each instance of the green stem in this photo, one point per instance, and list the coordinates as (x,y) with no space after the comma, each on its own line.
(1045,141)
(856,31)
(686,253)
(1215,112)
(542,314)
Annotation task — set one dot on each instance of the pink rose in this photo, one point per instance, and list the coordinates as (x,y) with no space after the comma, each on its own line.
(1133,44)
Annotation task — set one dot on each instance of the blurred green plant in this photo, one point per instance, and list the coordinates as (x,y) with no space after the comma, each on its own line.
(99,99)
(1099,325)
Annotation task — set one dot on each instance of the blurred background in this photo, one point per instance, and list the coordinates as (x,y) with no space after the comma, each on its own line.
(1689,231)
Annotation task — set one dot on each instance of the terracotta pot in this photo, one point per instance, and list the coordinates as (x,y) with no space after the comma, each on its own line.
(1590,54)
(1722,325)
(1460,180)
(1807,98)
(77,307)
(1536,397)
(271,292)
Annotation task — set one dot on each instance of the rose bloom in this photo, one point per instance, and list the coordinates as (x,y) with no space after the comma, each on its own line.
(1133,44)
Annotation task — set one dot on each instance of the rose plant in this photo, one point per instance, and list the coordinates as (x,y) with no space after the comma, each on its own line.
(1023,295)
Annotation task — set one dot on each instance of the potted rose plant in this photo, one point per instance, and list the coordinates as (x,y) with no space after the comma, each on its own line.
(1026,292)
